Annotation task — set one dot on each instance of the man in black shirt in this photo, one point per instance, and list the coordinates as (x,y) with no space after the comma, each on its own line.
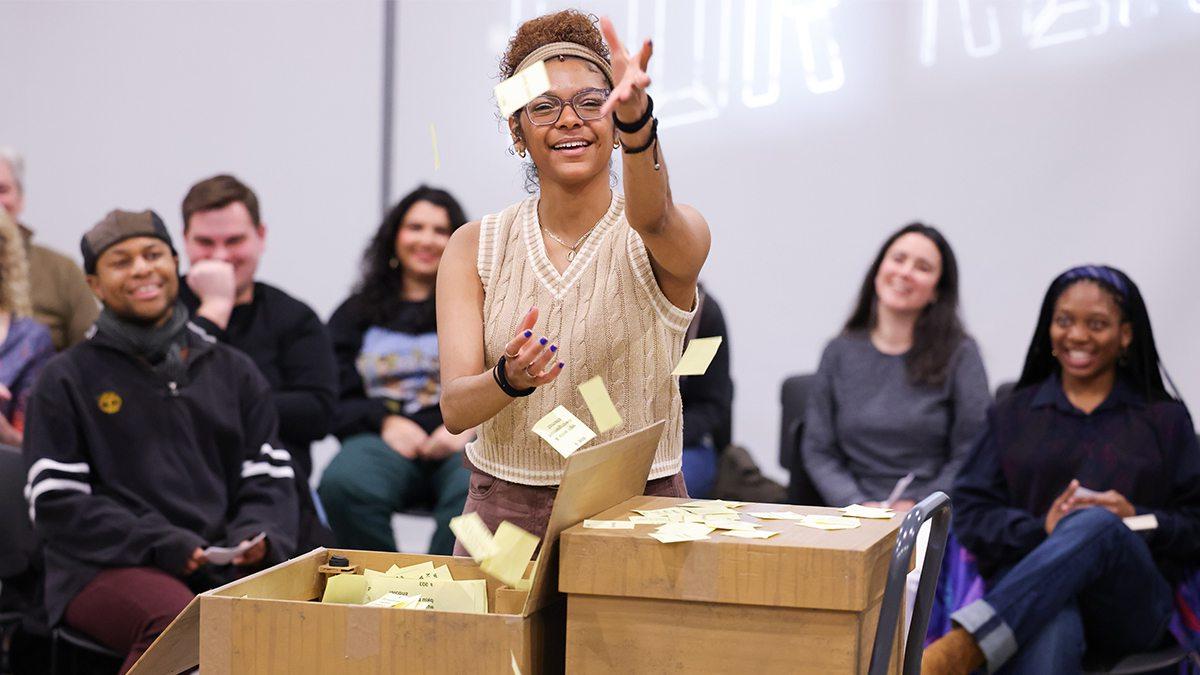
(224,237)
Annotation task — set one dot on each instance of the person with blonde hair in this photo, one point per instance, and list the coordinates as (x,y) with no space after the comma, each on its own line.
(24,343)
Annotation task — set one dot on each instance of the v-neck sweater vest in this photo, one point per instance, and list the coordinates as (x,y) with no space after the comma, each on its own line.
(608,317)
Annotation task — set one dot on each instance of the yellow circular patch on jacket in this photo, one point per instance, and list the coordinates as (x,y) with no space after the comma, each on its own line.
(109,402)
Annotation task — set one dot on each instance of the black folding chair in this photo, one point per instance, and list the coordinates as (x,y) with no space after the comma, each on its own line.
(793,399)
(937,507)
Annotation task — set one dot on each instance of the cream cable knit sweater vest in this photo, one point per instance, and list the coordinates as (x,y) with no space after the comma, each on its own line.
(608,317)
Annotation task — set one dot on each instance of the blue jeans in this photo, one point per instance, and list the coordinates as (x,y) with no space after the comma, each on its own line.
(700,470)
(1091,581)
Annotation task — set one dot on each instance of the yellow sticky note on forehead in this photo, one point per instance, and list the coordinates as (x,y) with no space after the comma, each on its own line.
(604,413)
(699,354)
(522,88)
(563,431)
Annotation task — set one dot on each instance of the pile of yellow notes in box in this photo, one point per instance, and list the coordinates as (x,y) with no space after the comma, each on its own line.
(698,520)
(420,586)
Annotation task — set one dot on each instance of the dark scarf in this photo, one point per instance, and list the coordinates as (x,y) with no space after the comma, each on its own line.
(161,346)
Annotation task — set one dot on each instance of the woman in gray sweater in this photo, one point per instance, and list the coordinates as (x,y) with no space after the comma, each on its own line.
(902,390)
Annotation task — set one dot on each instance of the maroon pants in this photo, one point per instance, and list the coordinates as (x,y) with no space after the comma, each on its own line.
(528,506)
(125,608)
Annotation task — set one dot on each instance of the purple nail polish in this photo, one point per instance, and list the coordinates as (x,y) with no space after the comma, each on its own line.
(553,348)
(560,365)
(528,333)
(543,342)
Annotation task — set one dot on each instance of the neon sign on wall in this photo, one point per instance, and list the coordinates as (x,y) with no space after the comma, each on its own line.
(693,85)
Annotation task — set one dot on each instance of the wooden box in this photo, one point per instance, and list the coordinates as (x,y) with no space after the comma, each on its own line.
(270,622)
(803,601)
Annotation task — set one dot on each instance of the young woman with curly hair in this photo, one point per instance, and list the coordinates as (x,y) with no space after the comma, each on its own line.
(24,343)
(575,281)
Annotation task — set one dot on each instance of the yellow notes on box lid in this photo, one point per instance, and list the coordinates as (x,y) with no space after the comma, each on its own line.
(727,524)
(869,512)
(749,534)
(648,520)
(474,535)
(347,589)
(521,88)
(697,356)
(672,533)
(777,515)
(829,522)
(604,413)
(711,503)
(610,524)
(514,548)
(563,431)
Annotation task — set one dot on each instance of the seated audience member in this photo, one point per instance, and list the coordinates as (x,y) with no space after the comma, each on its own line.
(707,403)
(902,390)
(24,343)
(396,454)
(1090,436)
(224,237)
(60,296)
(147,443)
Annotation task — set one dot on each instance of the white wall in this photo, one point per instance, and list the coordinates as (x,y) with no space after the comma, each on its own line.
(1035,141)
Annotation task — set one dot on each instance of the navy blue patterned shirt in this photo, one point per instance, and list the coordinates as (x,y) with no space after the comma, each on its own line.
(1037,442)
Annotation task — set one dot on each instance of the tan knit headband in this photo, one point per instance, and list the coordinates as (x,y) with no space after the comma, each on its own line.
(566,49)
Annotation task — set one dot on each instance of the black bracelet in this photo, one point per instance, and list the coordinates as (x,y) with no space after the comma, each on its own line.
(501,378)
(634,127)
(653,140)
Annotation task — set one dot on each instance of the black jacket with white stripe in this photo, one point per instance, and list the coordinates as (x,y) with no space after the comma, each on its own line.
(127,469)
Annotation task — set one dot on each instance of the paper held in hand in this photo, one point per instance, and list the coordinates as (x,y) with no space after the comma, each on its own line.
(522,88)
(223,555)
(697,357)
(565,432)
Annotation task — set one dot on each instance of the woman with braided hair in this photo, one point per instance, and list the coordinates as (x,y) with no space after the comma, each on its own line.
(25,344)
(575,281)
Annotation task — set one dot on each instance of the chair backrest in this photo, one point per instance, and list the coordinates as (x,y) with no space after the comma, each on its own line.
(16,531)
(937,507)
(793,396)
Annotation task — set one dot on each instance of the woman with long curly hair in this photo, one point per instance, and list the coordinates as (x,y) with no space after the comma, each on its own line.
(25,344)
(1090,437)
(575,281)
(396,453)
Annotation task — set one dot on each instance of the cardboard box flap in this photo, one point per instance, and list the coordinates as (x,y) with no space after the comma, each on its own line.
(176,649)
(594,480)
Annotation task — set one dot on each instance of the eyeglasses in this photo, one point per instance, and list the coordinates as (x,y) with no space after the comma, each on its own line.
(547,108)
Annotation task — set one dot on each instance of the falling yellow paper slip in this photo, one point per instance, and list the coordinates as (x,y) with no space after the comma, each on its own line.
(522,88)
(348,589)
(437,161)
(474,535)
(700,353)
(604,413)
(514,548)
(563,431)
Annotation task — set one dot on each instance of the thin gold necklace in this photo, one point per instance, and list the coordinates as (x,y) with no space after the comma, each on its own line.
(570,248)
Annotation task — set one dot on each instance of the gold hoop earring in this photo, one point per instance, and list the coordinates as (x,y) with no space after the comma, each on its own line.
(616,143)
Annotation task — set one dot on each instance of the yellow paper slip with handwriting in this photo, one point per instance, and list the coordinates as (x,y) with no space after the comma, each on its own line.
(347,589)
(469,595)
(522,88)
(563,431)
(700,353)
(514,548)
(604,413)
(474,535)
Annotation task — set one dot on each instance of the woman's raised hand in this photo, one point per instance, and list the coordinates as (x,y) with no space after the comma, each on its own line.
(628,97)
(530,359)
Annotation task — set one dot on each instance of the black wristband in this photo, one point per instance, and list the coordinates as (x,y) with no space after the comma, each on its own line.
(649,142)
(634,127)
(501,379)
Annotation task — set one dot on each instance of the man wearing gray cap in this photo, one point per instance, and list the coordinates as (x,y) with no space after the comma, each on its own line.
(146,444)
(61,300)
